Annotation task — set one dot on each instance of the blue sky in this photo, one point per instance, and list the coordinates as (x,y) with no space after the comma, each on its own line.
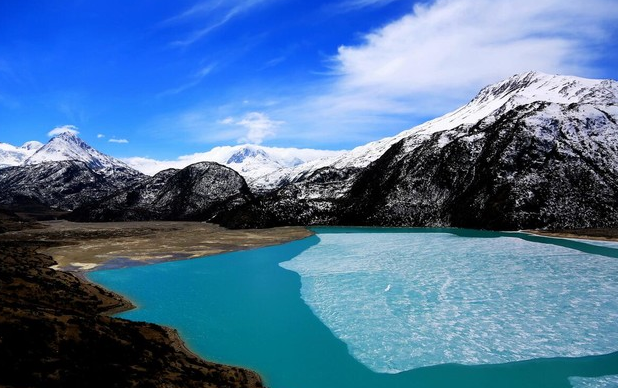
(167,78)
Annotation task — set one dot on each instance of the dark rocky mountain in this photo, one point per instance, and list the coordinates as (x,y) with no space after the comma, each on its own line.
(62,185)
(311,200)
(68,174)
(508,173)
(63,174)
(533,151)
(197,192)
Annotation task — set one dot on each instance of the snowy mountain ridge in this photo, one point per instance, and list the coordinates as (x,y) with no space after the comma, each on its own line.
(250,160)
(11,155)
(520,89)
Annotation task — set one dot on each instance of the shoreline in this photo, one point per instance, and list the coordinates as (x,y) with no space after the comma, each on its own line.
(56,332)
(84,247)
(67,303)
(605,234)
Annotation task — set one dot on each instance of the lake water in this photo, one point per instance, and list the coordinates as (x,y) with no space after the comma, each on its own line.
(363,307)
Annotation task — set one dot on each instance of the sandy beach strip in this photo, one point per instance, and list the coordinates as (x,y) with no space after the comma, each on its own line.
(599,234)
(81,247)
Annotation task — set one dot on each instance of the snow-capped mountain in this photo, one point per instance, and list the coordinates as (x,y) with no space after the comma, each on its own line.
(532,151)
(11,155)
(249,160)
(68,146)
(64,173)
(517,90)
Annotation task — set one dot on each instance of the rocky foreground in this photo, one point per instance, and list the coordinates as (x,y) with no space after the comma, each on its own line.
(55,331)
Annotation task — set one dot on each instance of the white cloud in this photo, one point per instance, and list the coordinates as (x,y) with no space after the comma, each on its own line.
(119,141)
(72,104)
(72,129)
(457,46)
(428,62)
(227,121)
(100,136)
(259,126)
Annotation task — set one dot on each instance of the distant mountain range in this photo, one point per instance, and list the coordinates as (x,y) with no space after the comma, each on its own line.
(254,162)
(532,151)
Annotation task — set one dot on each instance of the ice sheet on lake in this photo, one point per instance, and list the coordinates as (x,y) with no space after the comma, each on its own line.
(457,299)
(594,382)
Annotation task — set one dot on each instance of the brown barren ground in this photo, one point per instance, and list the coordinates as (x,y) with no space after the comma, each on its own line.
(55,328)
(84,246)
(602,234)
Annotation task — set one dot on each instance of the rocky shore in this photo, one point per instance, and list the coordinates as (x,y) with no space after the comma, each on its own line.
(56,329)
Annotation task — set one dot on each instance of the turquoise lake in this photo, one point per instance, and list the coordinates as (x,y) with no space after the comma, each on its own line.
(390,307)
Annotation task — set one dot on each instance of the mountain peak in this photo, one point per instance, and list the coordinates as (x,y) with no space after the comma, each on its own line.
(247,152)
(32,145)
(68,146)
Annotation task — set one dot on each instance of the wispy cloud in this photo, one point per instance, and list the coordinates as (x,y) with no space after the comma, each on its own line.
(273,62)
(72,129)
(210,15)
(198,9)
(9,72)
(100,136)
(351,5)
(119,141)
(457,46)
(195,80)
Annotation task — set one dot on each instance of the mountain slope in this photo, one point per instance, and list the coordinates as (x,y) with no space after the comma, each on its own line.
(532,151)
(64,173)
(541,165)
(63,185)
(492,100)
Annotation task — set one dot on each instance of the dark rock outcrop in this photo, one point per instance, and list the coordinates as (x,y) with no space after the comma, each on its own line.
(505,174)
(63,185)
(198,192)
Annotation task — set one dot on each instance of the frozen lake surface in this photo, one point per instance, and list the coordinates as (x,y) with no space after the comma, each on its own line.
(362,307)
